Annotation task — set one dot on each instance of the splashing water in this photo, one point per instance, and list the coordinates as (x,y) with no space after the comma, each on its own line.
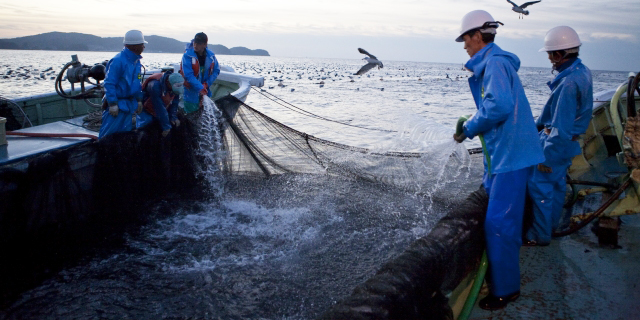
(210,146)
(442,160)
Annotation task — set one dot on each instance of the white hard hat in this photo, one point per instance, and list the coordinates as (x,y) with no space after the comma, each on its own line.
(477,19)
(561,38)
(134,37)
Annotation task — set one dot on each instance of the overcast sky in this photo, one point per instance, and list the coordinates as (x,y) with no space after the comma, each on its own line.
(400,30)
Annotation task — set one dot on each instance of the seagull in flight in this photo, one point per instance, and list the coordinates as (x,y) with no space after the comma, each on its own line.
(372,62)
(520,8)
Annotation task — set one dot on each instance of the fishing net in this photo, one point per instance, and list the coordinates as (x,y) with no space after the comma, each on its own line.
(412,286)
(631,145)
(124,172)
(256,144)
(631,142)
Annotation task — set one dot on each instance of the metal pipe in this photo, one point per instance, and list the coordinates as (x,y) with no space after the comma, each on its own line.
(52,135)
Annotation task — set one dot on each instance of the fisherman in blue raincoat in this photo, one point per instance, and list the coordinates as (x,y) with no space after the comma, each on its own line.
(161,98)
(507,130)
(122,86)
(200,69)
(565,116)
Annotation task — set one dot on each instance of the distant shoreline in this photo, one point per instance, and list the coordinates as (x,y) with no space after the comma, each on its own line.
(116,51)
(73,41)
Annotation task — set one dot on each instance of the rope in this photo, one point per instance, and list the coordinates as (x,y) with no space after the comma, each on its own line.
(25,118)
(313,115)
(486,153)
(93,121)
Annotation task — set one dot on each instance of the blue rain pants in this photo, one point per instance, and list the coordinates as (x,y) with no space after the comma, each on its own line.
(503,229)
(548,192)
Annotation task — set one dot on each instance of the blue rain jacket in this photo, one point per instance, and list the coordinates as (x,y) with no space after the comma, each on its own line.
(504,116)
(194,79)
(567,113)
(155,90)
(548,191)
(122,85)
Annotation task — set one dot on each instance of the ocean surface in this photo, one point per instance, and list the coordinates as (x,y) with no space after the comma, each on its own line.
(291,246)
(381,99)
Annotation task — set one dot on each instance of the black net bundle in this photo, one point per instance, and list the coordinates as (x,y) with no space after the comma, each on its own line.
(413,285)
(256,144)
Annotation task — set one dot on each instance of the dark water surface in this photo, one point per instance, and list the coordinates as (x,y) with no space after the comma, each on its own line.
(287,247)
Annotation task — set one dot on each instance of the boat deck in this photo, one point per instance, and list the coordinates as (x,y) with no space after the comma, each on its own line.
(575,278)
(22,147)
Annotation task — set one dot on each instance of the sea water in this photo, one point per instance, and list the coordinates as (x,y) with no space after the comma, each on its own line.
(291,246)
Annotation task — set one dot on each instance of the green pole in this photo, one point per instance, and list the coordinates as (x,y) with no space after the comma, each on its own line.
(475,289)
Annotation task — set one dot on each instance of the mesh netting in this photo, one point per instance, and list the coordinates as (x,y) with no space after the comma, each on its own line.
(631,142)
(256,144)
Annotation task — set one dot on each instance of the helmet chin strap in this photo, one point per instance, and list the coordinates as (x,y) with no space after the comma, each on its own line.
(556,63)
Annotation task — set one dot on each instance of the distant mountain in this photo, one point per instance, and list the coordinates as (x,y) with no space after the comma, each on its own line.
(220,49)
(73,41)
(248,52)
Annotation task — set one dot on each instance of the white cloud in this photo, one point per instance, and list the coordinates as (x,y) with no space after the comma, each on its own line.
(617,36)
(273,25)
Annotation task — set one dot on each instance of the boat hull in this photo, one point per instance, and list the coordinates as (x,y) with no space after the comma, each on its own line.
(60,197)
